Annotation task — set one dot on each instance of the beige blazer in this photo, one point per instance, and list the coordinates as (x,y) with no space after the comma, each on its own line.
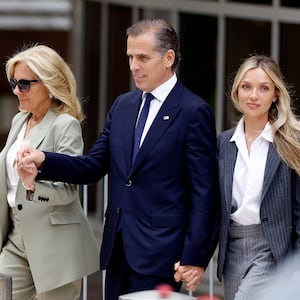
(58,239)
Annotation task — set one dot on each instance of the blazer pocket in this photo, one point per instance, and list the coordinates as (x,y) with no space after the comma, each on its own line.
(72,217)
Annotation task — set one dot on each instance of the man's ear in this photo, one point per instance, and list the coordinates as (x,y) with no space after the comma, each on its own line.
(169,58)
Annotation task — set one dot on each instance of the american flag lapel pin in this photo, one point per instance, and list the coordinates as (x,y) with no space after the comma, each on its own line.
(165,118)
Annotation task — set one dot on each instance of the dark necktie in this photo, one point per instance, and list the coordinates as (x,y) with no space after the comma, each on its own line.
(140,125)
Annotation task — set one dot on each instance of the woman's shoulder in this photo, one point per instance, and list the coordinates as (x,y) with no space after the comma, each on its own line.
(20,116)
(227,134)
(60,120)
(62,117)
(65,117)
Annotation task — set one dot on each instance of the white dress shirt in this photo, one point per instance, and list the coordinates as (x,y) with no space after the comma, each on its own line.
(248,175)
(160,94)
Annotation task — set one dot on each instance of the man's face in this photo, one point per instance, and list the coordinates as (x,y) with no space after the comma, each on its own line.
(149,68)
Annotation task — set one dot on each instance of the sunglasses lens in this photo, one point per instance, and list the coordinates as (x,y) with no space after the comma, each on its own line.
(23,84)
(13,82)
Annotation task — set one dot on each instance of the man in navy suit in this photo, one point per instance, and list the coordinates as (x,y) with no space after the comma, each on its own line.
(161,203)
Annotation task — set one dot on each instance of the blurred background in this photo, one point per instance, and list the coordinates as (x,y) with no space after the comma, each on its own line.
(215,36)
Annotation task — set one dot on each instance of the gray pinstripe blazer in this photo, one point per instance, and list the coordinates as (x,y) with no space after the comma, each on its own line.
(280,206)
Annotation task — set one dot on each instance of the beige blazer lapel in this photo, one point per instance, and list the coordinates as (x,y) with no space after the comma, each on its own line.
(39,134)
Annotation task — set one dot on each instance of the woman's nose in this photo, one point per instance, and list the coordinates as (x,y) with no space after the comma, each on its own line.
(253,94)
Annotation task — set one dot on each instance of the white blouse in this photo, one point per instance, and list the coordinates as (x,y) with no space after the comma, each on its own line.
(12,177)
(248,175)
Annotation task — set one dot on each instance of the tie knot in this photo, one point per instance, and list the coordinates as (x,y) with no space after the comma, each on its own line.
(149,97)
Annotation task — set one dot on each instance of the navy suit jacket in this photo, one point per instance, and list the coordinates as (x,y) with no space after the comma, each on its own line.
(280,204)
(166,197)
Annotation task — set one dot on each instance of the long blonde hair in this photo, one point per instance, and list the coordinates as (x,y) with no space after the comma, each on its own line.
(54,73)
(286,127)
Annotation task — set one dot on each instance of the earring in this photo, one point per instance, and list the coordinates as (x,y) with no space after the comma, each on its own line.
(50,96)
(274,100)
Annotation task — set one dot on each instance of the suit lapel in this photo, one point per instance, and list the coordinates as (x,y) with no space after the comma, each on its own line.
(41,131)
(130,116)
(164,118)
(229,163)
(162,121)
(272,164)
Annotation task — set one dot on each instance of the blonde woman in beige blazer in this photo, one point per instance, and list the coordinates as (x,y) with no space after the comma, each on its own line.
(46,243)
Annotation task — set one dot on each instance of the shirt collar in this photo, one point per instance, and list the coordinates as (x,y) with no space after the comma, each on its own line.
(267,133)
(239,132)
(161,92)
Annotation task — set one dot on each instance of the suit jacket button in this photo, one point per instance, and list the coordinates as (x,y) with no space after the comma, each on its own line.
(128,183)
(20,207)
(265,220)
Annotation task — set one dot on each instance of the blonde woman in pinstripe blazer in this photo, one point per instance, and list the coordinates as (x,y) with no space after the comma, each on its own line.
(258,179)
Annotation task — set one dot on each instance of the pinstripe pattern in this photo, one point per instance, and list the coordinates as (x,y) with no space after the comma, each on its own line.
(280,207)
(248,263)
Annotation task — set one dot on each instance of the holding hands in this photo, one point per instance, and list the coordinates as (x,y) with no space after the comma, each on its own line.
(191,276)
(28,161)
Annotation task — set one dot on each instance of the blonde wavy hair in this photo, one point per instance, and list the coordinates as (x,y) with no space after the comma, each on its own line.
(286,127)
(51,69)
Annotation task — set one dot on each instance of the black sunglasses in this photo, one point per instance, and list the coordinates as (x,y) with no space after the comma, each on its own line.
(23,84)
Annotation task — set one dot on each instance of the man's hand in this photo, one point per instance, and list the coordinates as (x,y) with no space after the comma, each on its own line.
(28,155)
(191,276)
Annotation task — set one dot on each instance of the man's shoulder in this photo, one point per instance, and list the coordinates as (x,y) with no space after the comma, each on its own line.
(189,94)
(130,94)
(128,98)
